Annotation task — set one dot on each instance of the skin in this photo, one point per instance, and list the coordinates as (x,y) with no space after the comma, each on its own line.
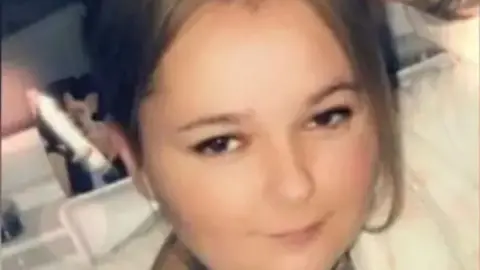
(255,130)
(17,113)
(291,152)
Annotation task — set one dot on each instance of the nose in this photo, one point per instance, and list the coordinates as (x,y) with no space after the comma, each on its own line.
(291,179)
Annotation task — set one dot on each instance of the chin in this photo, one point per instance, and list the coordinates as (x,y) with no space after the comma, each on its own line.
(303,264)
(309,260)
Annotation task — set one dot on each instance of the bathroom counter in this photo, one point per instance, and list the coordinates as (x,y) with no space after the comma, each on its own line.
(138,253)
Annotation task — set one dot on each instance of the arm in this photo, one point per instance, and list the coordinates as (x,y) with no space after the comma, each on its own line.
(17,112)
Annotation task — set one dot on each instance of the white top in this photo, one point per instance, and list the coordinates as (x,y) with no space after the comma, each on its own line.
(440,127)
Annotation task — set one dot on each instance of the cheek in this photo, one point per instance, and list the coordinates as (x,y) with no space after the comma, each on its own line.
(208,206)
(356,166)
(345,171)
(201,198)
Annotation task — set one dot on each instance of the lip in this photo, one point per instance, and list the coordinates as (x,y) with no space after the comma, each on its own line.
(302,230)
(301,235)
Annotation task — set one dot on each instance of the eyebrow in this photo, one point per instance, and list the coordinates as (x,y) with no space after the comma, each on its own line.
(340,85)
(235,118)
(228,118)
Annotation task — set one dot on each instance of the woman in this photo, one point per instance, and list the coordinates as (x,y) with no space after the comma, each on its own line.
(263,127)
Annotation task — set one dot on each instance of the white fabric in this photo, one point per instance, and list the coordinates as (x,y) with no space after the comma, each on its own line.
(460,38)
(439,228)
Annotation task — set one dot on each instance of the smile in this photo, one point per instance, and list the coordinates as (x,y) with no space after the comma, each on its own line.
(301,236)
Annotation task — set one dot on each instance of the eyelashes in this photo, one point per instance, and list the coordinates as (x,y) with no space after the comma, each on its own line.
(326,121)
(331,118)
(218,145)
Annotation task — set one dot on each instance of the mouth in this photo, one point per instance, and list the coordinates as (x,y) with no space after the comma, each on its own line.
(302,235)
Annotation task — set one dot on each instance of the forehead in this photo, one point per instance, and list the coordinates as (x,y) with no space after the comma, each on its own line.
(226,52)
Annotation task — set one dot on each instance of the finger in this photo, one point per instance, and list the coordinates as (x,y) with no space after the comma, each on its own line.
(32,99)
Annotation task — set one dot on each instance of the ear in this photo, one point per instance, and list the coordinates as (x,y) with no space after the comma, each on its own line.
(68,99)
(91,100)
(129,159)
(144,186)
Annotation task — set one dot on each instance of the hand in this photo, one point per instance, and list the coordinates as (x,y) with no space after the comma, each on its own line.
(32,98)
(82,156)
(99,135)
(17,113)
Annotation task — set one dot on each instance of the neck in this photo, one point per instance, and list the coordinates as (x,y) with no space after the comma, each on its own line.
(175,256)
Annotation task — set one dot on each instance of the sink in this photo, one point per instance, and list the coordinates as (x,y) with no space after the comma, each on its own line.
(43,241)
(42,254)
(102,220)
(112,228)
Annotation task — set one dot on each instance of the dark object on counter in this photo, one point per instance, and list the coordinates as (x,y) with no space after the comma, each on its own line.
(12,226)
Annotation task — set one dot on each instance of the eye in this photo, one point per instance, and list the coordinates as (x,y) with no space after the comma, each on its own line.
(218,145)
(331,118)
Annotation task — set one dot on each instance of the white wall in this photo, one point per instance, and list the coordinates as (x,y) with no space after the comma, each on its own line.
(51,48)
(44,52)
(398,19)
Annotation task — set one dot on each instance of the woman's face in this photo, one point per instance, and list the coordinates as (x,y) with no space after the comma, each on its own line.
(258,140)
